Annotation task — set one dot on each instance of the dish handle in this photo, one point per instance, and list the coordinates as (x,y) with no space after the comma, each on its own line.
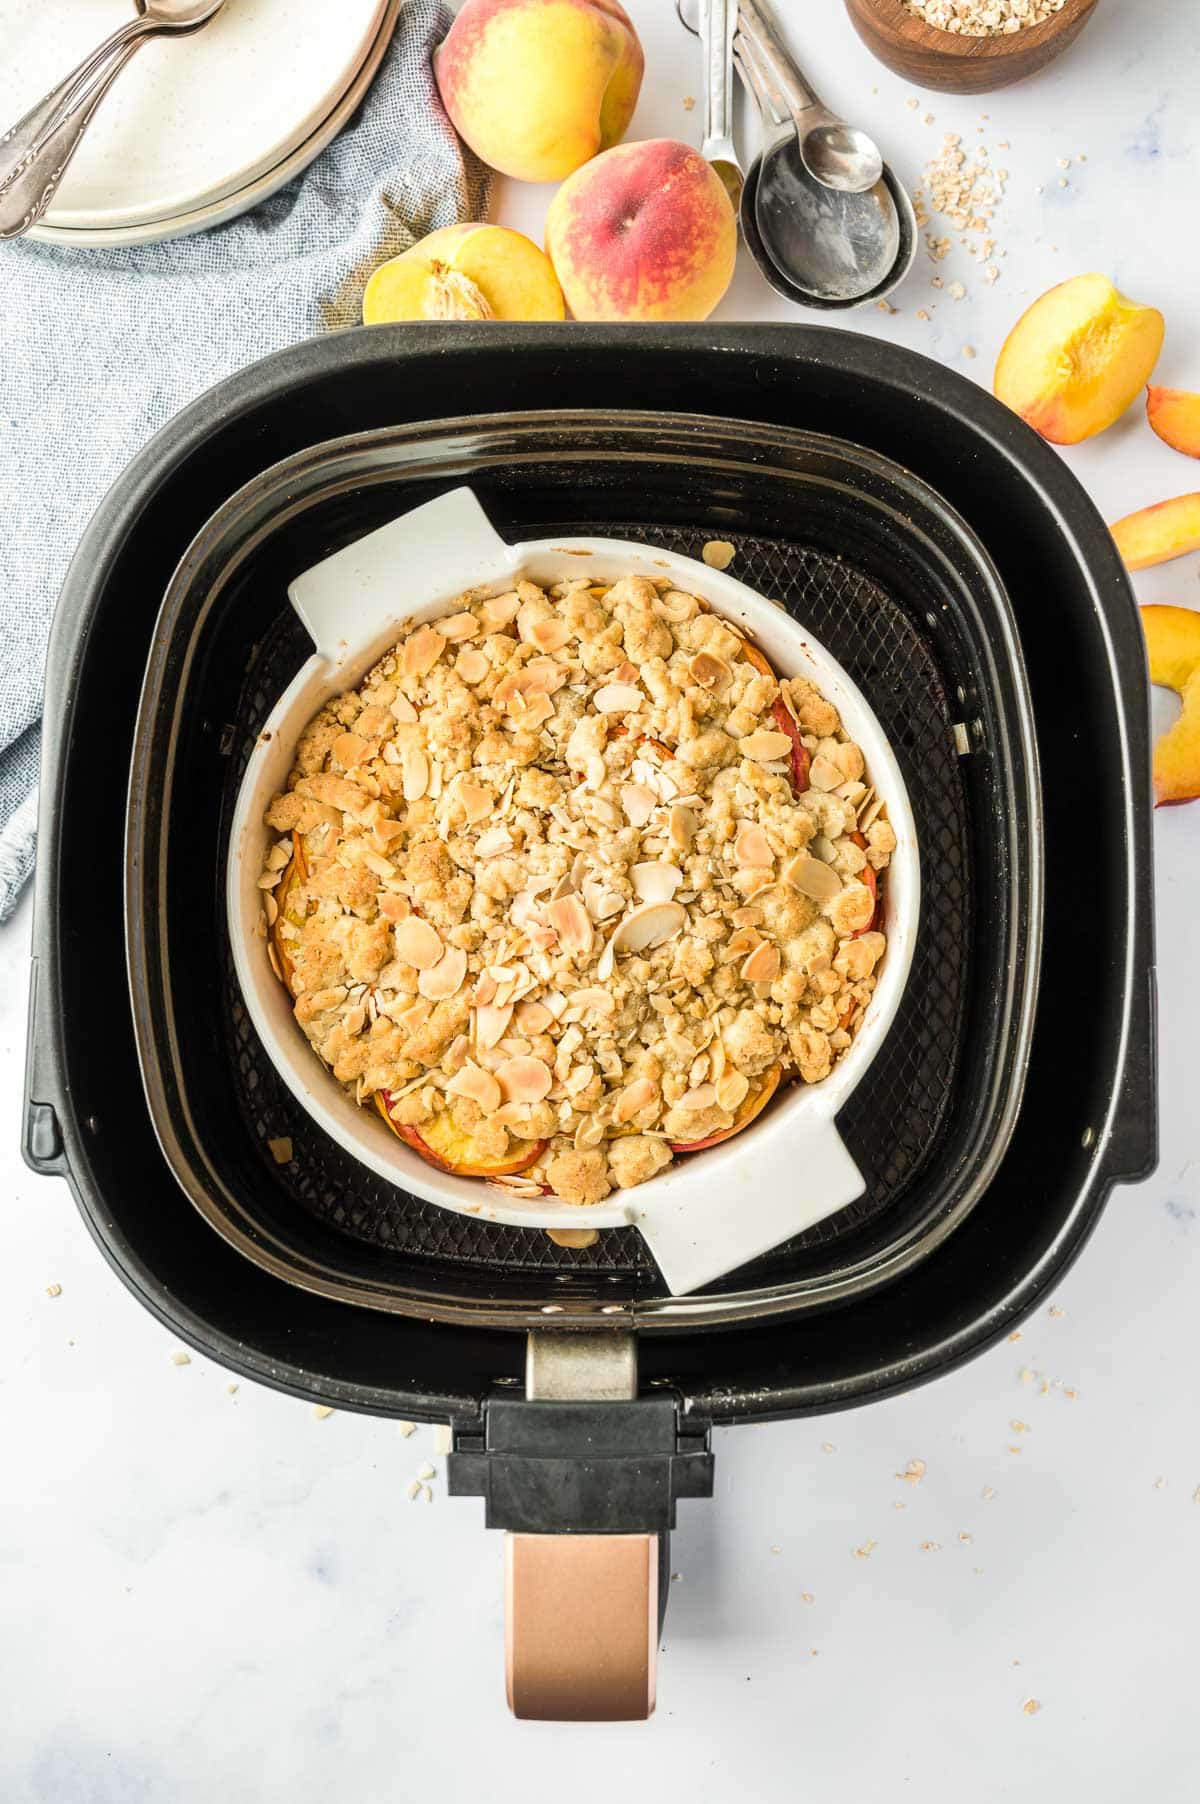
(779,1179)
(429,554)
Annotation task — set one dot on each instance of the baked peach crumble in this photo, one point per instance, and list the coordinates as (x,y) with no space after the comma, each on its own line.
(571,883)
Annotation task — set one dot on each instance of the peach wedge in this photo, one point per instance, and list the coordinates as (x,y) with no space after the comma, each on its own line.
(1156,534)
(1076,359)
(465,272)
(1174,414)
(1173,645)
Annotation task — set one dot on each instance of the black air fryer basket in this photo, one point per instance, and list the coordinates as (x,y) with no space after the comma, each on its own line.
(941,552)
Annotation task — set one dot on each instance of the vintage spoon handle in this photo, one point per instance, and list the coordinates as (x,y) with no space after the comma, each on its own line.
(718,19)
(769,48)
(38,149)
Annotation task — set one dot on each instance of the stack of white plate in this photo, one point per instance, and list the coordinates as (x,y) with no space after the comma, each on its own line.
(198,128)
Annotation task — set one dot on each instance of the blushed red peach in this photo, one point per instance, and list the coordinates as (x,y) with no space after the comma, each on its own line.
(644,232)
(536,87)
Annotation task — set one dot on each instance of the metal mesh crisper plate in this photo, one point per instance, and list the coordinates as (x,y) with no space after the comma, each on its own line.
(891,1123)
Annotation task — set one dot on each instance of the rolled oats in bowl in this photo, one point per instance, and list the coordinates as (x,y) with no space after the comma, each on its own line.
(572,884)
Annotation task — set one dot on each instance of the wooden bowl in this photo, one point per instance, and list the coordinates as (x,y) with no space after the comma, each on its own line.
(932,58)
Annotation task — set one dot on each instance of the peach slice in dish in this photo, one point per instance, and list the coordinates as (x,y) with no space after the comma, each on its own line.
(442,1144)
(294,873)
(783,721)
(761,1090)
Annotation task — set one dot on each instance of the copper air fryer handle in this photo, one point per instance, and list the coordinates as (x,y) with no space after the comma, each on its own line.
(581,1634)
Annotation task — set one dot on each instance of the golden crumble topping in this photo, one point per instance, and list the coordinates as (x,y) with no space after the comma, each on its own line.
(571,882)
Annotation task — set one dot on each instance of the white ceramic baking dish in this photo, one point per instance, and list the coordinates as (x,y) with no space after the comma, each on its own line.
(706,1214)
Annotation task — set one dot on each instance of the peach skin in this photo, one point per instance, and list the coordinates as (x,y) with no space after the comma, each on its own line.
(1155,534)
(465,272)
(645,232)
(537,87)
(1173,645)
(1076,359)
(1174,414)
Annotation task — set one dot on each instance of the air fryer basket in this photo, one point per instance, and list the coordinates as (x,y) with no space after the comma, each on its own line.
(1087,1117)
(862,554)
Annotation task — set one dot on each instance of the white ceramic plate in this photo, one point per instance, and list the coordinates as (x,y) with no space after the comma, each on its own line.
(705,1215)
(217,212)
(192,119)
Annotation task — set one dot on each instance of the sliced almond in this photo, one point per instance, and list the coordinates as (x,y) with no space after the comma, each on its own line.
(871,813)
(543,676)
(549,635)
(709,672)
(764,746)
(716,1062)
(606,963)
(491,1023)
(824,774)
(592,999)
(588,1134)
(572,923)
(655,881)
(578,1078)
(422,651)
(402,709)
(638,802)
(762,966)
(740,943)
(633,1099)
(484,991)
(533,1017)
(536,710)
(648,926)
(732,1091)
(414,766)
(682,827)
(499,610)
(704,1096)
(617,698)
(600,902)
(525,1079)
(812,877)
(573,1237)
(718,554)
(472,665)
(417,943)
(477,801)
(394,907)
(751,847)
(457,626)
(493,842)
(479,1085)
(447,976)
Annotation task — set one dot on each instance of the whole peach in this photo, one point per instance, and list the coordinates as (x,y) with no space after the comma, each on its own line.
(644,232)
(536,87)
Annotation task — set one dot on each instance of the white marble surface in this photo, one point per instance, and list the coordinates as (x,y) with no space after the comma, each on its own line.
(208,1595)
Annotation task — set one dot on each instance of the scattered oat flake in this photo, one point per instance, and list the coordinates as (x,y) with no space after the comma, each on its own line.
(407,1428)
(1160,1484)
(54,1290)
(828,1447)
(689,101)
(968,351)
(443,1438)
(1063,183)
(927,119)
(914,1472)
(1015,1335)
(886,307)
(865,1551)
(776,1550)
(965,1538)
(675,1577)
(426,1493)
(1054,1308)
(1019,1427)
(181,1359)
(1031,1706)
(987,1492)
(414,1490)
(426,1471)
(956,291)
(807,1597)
(1064,162)
(322,1411)
(912,103)
(931,1547)
(922,314)
(1014,1450)
(281,1149)
(231,1390)
(718,554)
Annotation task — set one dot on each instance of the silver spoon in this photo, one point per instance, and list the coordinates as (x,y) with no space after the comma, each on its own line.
(36,151)
(718,22)
(835,154)
(815,246)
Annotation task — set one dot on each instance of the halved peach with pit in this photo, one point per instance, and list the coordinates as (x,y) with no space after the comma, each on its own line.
(442,1144)
(1174,413)
(761,1090)
(1173,644)
(1154,535)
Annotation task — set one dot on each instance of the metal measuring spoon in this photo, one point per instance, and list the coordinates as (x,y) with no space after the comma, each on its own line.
(35,152)
(835,154)
(814,246)
(717,24)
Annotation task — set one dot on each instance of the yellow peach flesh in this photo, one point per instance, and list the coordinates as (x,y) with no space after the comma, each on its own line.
(1174,413)
(1173,646)
(1154,535)
(1077,358)
(465,272)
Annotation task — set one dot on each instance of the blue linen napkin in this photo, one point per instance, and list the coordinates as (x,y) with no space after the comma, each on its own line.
(100,348)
